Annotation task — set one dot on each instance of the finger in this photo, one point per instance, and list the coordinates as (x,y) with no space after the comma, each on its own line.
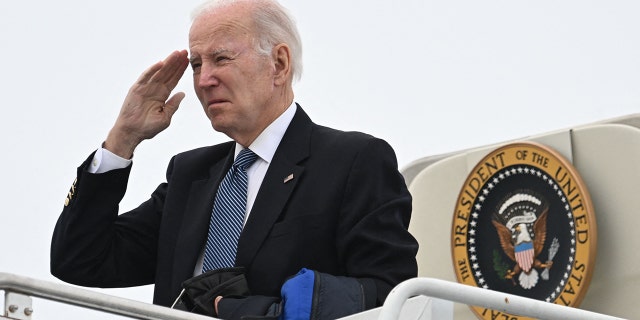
(171,67)
(179,59)
(150,72)
(216,302)
(178,72)
(173,103)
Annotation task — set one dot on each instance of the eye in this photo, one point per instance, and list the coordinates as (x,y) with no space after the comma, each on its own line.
(195,66)
(220,59)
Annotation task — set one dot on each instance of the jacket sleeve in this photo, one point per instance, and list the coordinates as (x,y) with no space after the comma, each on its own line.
(94,246)
(373,241)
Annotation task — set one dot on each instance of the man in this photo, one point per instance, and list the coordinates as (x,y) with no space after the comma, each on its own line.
(316,198)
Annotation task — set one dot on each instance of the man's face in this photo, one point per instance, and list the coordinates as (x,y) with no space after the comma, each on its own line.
(234,84)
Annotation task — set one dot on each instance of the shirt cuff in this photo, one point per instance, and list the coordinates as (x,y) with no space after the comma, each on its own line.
(105,160)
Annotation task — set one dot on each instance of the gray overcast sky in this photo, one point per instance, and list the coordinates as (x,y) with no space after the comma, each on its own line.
(428,76)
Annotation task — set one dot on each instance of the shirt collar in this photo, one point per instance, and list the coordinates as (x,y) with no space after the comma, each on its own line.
(267,142)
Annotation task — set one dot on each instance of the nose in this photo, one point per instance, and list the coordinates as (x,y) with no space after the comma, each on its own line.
(207,77)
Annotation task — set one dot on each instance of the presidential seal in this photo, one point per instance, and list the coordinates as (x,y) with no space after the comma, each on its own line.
(524,224)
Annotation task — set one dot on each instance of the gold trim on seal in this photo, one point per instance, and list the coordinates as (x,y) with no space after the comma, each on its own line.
(579,215)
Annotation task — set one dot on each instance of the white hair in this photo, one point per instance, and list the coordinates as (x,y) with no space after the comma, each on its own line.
(273,25)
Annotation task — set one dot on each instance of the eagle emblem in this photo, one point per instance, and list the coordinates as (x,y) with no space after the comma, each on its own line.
(522,236)
(524,224)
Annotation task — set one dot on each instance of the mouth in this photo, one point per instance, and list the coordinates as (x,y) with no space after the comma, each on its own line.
(215,102)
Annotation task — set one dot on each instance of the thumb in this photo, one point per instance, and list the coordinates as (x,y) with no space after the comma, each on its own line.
(171,106)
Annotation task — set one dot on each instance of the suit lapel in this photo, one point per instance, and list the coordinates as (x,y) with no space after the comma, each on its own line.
(276,187)
(195,223)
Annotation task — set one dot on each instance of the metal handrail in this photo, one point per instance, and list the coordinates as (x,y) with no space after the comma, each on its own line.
(475,296)
(91,299)
(430,287)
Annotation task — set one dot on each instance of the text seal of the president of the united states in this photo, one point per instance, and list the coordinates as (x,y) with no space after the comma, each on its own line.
(524,224)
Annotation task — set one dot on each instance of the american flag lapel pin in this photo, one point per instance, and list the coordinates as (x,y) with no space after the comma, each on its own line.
(288,178)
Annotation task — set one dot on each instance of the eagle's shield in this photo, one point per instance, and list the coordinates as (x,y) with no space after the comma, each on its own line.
(524,255)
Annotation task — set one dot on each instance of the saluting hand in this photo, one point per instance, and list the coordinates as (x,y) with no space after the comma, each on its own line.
(147,109)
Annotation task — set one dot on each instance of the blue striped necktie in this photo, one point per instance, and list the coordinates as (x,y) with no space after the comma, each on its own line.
(228,214)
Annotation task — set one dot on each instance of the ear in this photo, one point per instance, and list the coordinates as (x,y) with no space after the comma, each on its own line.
(282,61)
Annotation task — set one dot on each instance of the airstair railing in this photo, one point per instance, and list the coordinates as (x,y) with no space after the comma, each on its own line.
(19,289)
(475,296)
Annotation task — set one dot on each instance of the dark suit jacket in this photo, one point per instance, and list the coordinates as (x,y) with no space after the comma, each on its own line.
(345,212)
